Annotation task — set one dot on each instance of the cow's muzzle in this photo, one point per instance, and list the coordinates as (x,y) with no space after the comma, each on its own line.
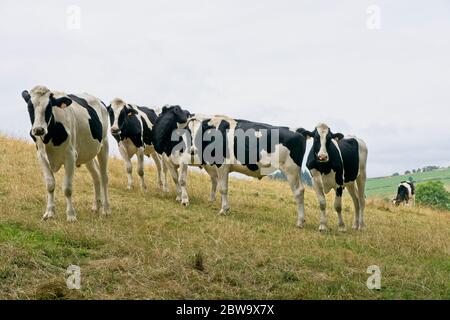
(38,131)
(115,131)
(322,158)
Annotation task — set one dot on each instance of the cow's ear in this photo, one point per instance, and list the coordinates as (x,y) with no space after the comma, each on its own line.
(131,112)
(338,136)
(307,134)
(108,108)
(26,96)
(164,109)
(62,102)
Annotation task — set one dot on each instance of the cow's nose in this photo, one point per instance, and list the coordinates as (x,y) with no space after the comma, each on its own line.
(323,157)
(38,131)
(115,131)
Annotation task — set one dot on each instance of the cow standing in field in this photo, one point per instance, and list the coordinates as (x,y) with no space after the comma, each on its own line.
(337,163)
(132,127)
(405,193)
(251,148)
(70,130)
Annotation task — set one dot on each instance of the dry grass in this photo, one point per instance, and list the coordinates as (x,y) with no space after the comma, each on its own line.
(153,248)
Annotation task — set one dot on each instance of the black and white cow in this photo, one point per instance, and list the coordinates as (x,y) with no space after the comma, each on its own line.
(132,127)
(174,151)
(336,163)
(405,193)
(251,148)
(70,130)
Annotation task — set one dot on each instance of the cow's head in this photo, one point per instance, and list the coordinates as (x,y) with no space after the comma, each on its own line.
(322,139)
(119,112)
(180,115)
(40,101)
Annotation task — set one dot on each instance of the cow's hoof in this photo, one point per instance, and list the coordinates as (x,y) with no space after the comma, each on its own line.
(71,218)
(361,227)
(106,213)
(129,187)
(224,211)
(48,215)
(355,226)
(322,228)
(301,224)
(96,205)
(342,229)
(165,189)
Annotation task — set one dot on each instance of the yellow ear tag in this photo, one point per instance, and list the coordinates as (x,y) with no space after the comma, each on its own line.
(130,114)
(63,106)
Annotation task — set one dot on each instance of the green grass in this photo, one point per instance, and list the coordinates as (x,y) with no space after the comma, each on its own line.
(386,187)
(153,248)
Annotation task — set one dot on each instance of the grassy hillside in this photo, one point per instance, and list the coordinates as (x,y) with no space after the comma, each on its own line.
(151,247)
(386,187)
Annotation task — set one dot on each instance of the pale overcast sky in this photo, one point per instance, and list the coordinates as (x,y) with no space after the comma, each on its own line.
(293,63)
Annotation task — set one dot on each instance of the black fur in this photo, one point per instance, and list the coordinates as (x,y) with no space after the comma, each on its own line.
(94,122)
(165,124)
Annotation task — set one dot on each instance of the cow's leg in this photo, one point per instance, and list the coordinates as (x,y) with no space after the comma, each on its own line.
(182,179)
(223,172)
(128,165)
(318,188)
(161,172)
(212,171)
(50,184)
(338,208)
(140,156)
(102,158)
(174,174)
(353,193)
(92,167)
(361,184)
(69,169)
(293,176)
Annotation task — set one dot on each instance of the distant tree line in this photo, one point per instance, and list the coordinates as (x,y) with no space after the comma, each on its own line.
(418,170)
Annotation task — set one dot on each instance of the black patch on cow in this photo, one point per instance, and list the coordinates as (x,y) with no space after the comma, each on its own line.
(339,191)
(350,155)
(130,127)
(402,194)
(148,132)
(165,124)
(94,122)
(57,134)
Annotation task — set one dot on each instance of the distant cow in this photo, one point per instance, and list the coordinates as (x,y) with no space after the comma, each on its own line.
(69,130)
(251,148)
(337,163)
(132,127)
(405,193)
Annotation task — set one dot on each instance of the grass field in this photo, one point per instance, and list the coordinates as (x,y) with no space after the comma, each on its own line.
(151,247)
(386,187)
